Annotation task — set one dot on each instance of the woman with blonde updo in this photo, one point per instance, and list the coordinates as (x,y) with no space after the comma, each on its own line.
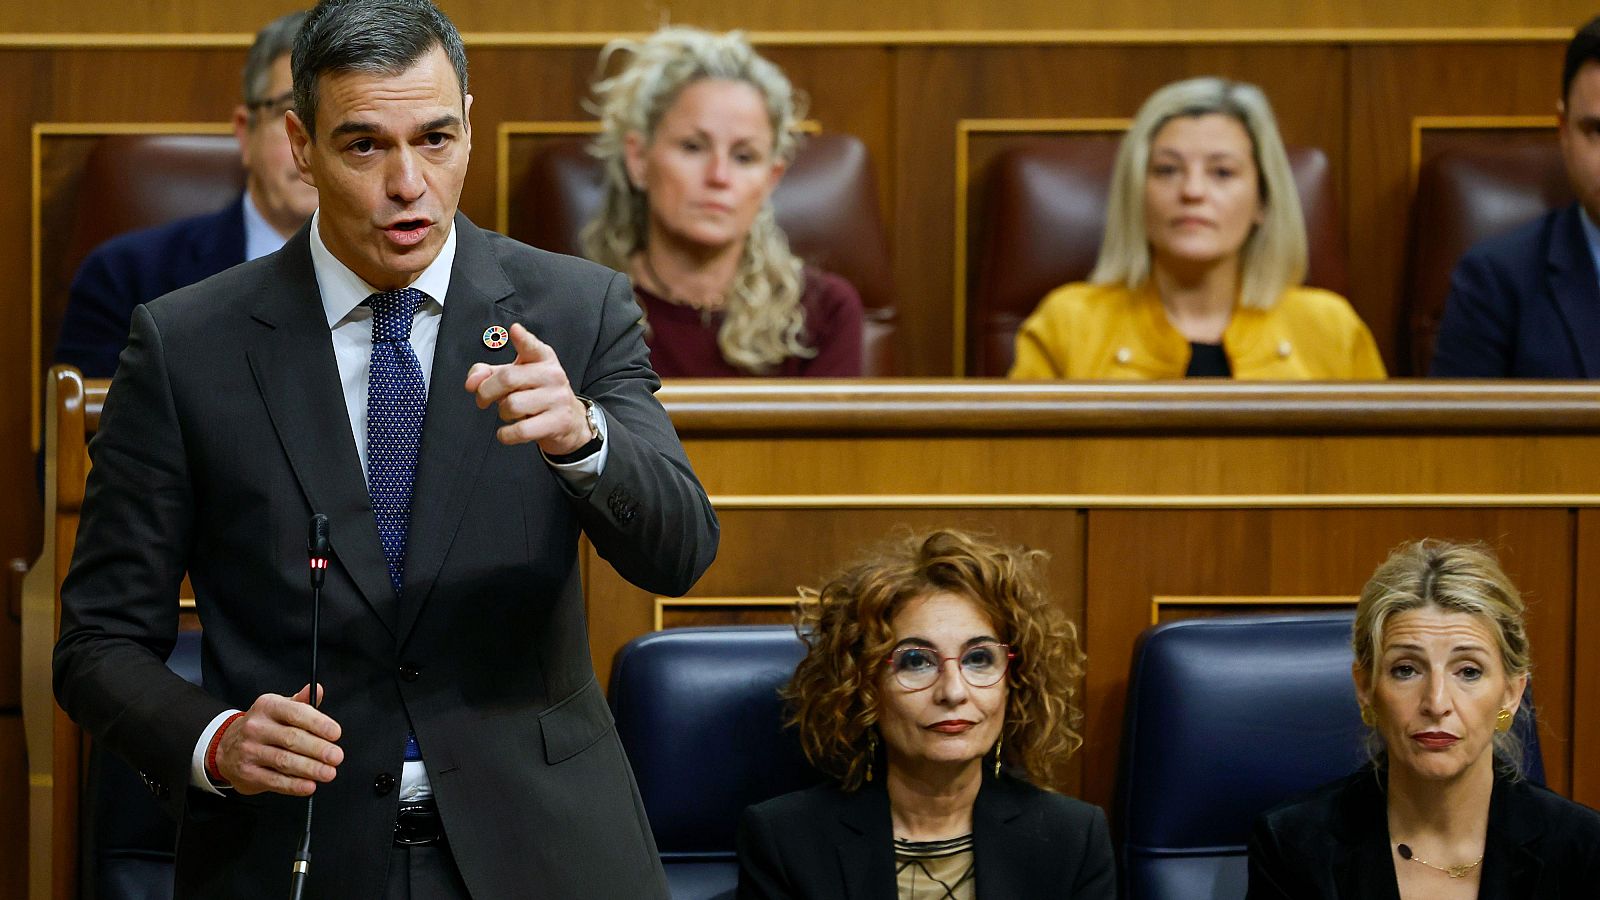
(937,691)
(696,131)
(1442,813)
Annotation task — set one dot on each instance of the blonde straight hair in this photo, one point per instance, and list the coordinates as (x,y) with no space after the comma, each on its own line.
(1273,258)
(763,322)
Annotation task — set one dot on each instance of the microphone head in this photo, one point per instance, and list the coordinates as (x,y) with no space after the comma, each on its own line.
(317,540)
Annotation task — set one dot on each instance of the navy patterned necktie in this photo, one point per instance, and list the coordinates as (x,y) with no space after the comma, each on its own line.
(396,401)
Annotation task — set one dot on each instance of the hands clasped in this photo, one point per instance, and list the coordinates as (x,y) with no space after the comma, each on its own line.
(281,744)
(533,396)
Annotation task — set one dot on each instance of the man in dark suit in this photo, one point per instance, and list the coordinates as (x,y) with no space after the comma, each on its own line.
(463,746)
(140,266)
(1526,304)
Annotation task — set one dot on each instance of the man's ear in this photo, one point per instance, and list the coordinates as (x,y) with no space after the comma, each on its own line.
(1561,113)
(241,133)
(466,120)
(299,146)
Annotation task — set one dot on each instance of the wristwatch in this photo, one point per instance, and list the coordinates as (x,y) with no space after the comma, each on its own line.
(591,414)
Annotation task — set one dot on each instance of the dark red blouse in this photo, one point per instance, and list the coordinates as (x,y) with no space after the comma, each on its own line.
(683,341)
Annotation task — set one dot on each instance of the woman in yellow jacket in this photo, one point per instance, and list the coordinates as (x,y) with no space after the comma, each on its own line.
(1200,268)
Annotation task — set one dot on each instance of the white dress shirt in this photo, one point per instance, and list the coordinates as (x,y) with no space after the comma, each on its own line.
(350,327)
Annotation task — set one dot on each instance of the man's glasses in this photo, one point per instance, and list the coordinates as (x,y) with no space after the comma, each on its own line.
(272,106)
(982,665)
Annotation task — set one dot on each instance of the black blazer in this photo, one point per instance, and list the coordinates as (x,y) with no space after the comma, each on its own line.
(226,428)
(1524,304)
(136,268)
(1335,844)
(826,844)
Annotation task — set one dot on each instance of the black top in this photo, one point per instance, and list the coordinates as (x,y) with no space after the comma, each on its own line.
(1208,361)
(826,844)
(1334,843)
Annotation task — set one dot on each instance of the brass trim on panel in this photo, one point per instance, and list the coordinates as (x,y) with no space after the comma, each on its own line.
(1420,124)
(41,130)
(965,128)
(1157,602)
(883,37)
(664,603)
(1153,501)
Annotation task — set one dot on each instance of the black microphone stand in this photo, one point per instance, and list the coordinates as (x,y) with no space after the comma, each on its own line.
(317,547)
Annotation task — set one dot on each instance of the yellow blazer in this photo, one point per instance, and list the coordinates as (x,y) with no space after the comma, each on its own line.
(1107,331)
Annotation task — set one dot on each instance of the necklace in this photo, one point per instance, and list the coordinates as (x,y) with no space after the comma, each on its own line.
(1453,871)
(667,293)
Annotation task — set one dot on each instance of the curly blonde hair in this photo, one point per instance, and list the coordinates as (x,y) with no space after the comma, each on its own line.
(763,322)
(834,695)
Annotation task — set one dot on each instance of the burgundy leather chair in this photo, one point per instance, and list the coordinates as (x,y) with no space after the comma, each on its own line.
(1043,217)
(827,204)
(1466,194)
(133,181)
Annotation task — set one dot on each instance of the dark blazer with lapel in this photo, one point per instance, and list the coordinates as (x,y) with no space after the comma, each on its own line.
(226,428)
(1525,304)
(825,844)
(136,268)
(1335,844)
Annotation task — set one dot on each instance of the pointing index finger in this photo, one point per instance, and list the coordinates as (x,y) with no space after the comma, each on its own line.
(529,348)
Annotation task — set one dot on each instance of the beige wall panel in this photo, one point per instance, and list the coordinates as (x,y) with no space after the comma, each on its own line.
(1134,555)
(938,87)
(1389,87)
(611,15)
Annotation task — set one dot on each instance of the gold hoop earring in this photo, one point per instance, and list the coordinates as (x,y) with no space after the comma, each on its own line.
(872,751)
(1502,720)
(997,742)
(1368,717)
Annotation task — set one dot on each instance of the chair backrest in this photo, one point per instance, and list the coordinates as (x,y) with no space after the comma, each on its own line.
(1466,194)
(700,718)
(1227,717)
(133,181)
(128,840)
(1044,214)
(827,204)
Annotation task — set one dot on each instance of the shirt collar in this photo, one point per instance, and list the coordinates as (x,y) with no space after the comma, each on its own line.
(343,290)
(260,238)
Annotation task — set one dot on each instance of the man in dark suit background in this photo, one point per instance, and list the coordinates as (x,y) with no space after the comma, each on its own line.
(463,746)
(1526,304)
(140,266)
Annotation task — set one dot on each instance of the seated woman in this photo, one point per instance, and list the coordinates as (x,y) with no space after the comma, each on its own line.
(937,691)
(696,131)
(1201,265)
(1441,660)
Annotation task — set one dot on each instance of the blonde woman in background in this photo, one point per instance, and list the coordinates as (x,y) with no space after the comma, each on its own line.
(697,129)
(1441,661)
(1201,265)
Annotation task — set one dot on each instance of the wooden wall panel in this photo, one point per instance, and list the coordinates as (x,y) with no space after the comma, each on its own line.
(938,87)
(823,15)
(1389,87)
(1135,554)
(1584,645)
(13,807)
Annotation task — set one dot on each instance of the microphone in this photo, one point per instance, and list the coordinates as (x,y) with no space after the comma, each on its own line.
(317,549)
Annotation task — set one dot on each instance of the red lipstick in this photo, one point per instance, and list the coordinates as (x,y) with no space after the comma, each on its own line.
(952,726)
(1435,740)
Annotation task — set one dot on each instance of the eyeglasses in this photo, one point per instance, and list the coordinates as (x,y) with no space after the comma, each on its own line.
(272,106)
(982,665)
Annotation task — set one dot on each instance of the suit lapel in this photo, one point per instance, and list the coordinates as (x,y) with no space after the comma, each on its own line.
(1363,867)
(865,845)
(456,435)
(1576,287)
(1510,867)
(1003,854)
(294,367)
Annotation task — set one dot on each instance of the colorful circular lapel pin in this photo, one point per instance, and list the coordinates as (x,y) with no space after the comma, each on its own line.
(495,337)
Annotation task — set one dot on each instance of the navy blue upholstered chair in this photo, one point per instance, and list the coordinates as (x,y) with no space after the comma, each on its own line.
(699,715)
(128,841)
(1226,718)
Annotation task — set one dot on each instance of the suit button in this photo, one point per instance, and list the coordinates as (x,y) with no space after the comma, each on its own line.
(410,673)
(383,784)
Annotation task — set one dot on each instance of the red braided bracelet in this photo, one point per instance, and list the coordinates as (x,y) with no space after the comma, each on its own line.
(211,752)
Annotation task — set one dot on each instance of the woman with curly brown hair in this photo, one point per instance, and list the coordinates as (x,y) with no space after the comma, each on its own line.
(937,691)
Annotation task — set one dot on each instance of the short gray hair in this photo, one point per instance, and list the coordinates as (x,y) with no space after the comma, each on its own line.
(1273,258)
(273,41)
(381,37)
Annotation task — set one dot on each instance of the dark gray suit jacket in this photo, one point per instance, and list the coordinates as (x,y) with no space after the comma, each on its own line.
(226,428)
(825,844)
